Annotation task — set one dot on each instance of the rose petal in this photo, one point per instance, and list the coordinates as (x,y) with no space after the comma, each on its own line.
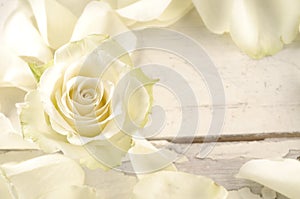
(159,16)
(173,185)
(37,176)
(281,175)
(34,125)
(145,158)
(46,90)
(14,71)
(135,88)
(9,121)
(8,99)
(143,98)
(215,14)
(21,35)
(55,22)
(258,35)
(75,50)
(110,152)
(85,54)
(97,18)
(144,10)
(6,189)
(75,6)
(71,192)
(175,10)
(259,28)
(10,139)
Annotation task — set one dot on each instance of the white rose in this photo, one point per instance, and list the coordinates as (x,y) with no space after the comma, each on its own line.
(45,25)
(80,108)
(259,28)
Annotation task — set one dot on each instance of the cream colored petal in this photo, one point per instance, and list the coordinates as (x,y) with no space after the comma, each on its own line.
(256,34)
(175,10)
(9,96)
(116,4)
(14,71)
(37,67)
(97,18)
(91,163)
(55,22)
(73,51)
(103,155)
(289,16)
(22,37)
(215,14)
(35,177)
(109,152)
(177,185)
(133,100)
(116,70)
(35,126)
(259,28)
(6,189)
(281,175)
(50,83)
(10,139)
(71,192)
(107,182)
(80,60)
(138,104)
(145,158)
(75,6)
(144,10)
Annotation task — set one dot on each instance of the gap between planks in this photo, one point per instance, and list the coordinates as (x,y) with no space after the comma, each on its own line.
(227,138)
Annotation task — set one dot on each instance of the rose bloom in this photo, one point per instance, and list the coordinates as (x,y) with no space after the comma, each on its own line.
(86,108)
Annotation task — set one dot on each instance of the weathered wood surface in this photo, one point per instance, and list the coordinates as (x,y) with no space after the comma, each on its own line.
(262,96)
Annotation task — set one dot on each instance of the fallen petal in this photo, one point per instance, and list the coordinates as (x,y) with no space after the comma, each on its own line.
(177,185)
(281,175)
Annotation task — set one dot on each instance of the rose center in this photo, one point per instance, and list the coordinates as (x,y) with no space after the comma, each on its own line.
(88,94)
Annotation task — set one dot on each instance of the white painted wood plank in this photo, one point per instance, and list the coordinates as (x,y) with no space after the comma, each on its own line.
(262,96)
